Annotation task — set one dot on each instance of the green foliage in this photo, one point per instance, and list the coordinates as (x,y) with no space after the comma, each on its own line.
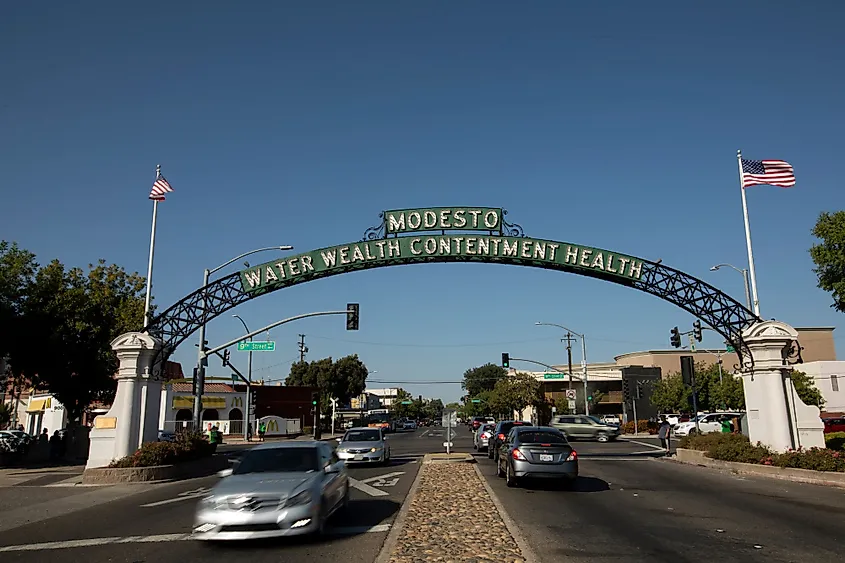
(737,448)
(186,446)
(729,394)
(515,393)
(643,427)
(806,389)
(482,378)
(74,314)
(835,440)
(670,394)
(829,256)
(5,414)
(343,379)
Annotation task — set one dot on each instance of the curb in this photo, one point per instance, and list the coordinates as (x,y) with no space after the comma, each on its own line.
(399,522)
(527,553)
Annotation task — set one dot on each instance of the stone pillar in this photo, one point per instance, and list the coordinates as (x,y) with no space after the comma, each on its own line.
(776,415)
(119,432)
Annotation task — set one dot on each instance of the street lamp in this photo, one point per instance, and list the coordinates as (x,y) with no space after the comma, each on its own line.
(249,382)
(744,272)
(583,360)
(201,361)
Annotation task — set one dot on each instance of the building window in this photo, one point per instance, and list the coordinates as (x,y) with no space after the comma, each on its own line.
(834,382)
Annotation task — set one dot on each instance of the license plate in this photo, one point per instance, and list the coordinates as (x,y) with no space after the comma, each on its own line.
(546,457)
(359,458)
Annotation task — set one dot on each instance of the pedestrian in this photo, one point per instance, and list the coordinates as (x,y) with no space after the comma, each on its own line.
(262,429)
(249,432)
(664,432)
(726,426)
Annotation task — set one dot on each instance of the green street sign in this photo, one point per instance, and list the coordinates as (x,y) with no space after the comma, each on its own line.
(730,348)
(257,346)
(406,402)
(554,375)
(476,400)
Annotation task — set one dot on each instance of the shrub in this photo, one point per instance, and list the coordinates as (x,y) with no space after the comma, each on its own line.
(186,446)
(736,447)
(643,426)
(835,440)
(703,442)
(817,459)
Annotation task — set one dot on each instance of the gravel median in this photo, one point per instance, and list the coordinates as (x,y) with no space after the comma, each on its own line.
(453,520)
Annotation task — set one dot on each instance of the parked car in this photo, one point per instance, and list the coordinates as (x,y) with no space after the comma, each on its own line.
(481,441)
(611,419)
(277,489)
(537,452)
(364,445)
(580,427)
(165,436)
(500,431)
(833,425)
(479,420)
(707,423)
(409,425)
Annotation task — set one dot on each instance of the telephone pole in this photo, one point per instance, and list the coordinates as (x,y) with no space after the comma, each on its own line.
(569,340)
(303,349)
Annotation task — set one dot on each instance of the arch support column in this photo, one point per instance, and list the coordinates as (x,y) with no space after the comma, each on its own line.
(776,415)
(133,417)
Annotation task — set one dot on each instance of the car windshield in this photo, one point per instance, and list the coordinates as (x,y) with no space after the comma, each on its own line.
(506,426)
(278,460)
(595,419)
(362,436)
(488,427)
(541,438)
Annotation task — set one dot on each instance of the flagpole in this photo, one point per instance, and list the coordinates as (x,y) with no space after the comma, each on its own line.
(152,253)
(751,270)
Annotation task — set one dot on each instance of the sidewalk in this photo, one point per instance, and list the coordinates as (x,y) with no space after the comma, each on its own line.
(232,440)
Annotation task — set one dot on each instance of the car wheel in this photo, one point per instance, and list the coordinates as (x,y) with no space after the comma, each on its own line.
(499,471)
(321,523)
(602,437)
(510,480)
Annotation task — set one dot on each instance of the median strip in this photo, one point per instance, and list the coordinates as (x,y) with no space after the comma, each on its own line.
(451,516)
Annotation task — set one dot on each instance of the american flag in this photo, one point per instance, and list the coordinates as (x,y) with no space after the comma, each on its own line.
(160,187)
(772,172)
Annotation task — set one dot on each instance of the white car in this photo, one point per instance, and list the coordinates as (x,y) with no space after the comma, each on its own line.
(706,423)
(482,437)
(409,425)
(611,419)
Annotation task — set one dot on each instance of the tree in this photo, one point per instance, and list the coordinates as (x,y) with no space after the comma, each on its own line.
(75,315)
(829,256)
(17,271)
(343,379)
(729,394)
(670,394)
(5,415)
(516,392)
(482,378)
(806,389)
(401,410)
(433,409)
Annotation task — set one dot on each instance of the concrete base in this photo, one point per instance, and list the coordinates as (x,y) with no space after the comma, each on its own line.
(121,431)
(187,470)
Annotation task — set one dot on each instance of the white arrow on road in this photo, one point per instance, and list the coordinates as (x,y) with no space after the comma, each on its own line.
(382,477)
(378,481)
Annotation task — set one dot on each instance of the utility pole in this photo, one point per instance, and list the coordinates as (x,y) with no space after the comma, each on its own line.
(569,340)
(303,349)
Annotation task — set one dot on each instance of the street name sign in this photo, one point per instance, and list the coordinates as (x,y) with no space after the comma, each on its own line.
(554,375)
(257,346)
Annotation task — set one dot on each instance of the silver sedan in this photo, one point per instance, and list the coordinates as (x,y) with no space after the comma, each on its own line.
(278,489)
(483,436)
(364,445)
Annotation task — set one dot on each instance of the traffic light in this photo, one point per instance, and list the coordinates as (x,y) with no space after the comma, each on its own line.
(195,382)
(675,339)
(506,360)
(688,370)
(315,398)
(696,330)
(352,316)
(226,355)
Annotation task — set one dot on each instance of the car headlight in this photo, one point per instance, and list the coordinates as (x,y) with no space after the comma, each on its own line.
(378,449)
(341,450)
(208,502)
(303,497)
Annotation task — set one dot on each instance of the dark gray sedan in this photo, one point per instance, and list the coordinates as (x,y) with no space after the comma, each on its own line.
(278,489)
(537,452)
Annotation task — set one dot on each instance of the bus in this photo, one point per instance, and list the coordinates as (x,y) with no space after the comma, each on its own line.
(381,418)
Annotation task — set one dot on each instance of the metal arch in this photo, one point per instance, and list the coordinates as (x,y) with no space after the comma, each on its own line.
(724,314)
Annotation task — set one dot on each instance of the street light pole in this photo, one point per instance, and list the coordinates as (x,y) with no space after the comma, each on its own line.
(249,383)
(202,357)
(744,273)
(583,360)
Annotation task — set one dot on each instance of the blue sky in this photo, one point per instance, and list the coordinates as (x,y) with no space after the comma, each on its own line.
(285,123)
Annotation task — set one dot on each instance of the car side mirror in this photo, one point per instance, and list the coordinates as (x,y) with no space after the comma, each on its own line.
(338,440)
(330,469)
(225,472)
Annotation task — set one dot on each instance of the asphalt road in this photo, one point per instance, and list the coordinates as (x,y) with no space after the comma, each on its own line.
(152,525)
(640,508)
(629,505)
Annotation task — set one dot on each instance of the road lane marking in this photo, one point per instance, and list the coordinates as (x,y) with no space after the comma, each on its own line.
(365,488)
(643,444)
(94,542)
(186,495)
(424,433)
(383,477)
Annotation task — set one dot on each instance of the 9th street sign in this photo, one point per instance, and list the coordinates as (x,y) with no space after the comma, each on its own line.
(257,346)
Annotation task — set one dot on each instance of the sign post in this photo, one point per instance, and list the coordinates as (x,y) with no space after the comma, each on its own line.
(334,412)
(449,421)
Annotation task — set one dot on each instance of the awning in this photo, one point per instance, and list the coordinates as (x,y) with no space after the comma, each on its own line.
(38,405)
(187,402)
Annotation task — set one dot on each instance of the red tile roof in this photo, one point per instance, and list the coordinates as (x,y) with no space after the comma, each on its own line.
(208,388)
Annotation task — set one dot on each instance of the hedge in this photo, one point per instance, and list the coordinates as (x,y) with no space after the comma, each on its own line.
(186,446)
(835,440)
(643,427)
(737,447)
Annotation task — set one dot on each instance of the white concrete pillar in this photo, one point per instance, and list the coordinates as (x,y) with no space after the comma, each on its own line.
(119,432)
(776,415)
